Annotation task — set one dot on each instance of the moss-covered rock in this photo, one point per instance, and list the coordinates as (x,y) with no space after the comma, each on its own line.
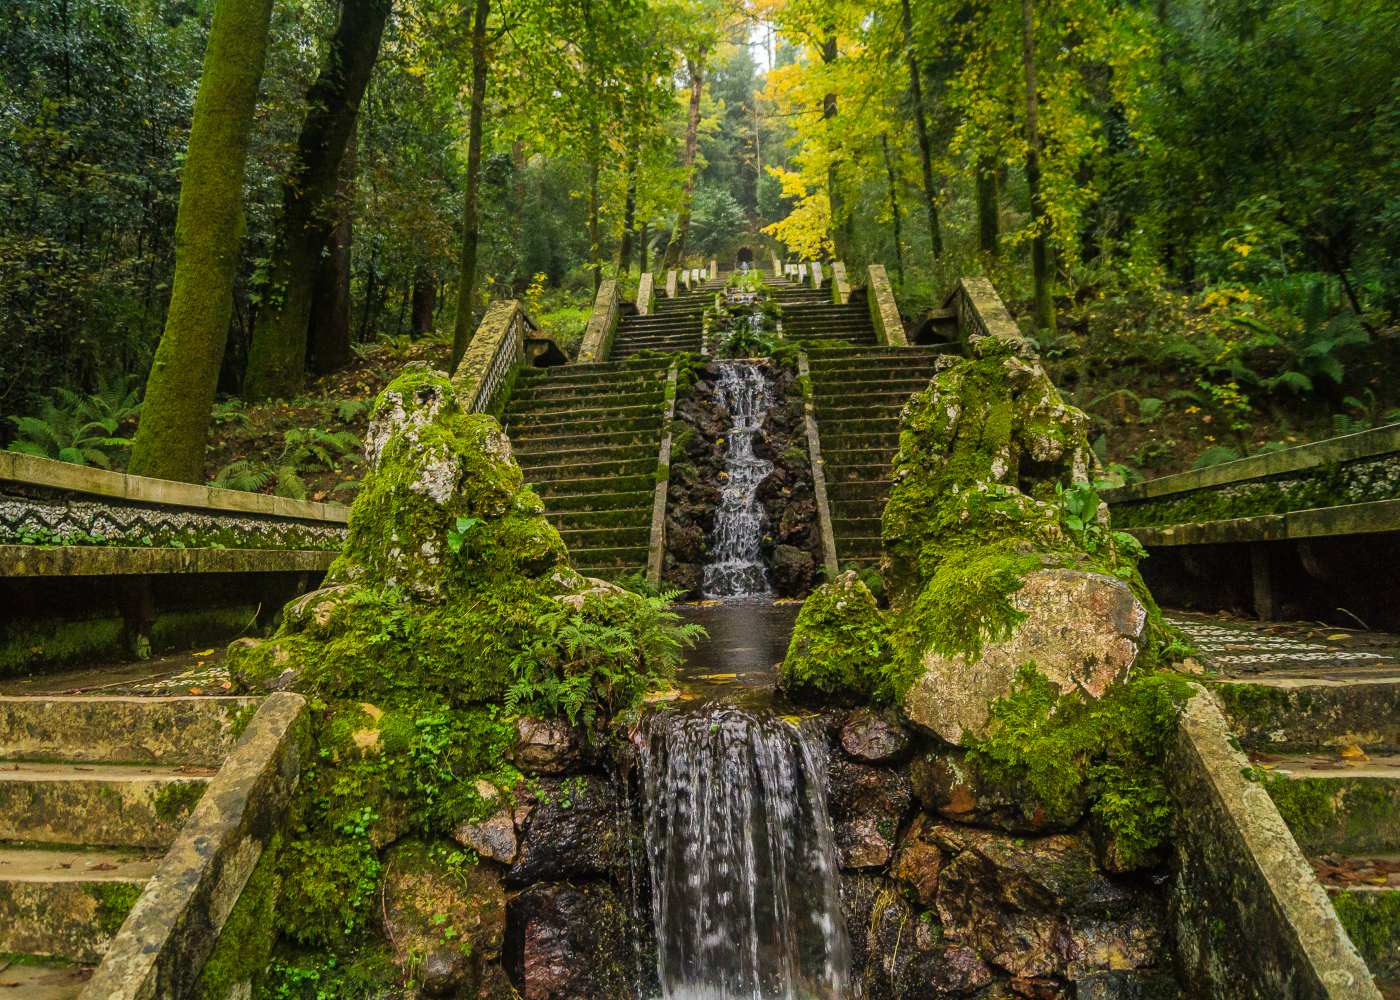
(840,647)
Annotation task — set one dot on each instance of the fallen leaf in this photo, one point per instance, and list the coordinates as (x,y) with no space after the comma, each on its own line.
(102,866)
(1353,752)
(204,652)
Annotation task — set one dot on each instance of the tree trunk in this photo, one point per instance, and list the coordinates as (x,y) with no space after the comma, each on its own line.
(988,206)
(328,344)
(174,430)
(916,91)
(424,301)
(894,207)
(471,223)
(277,357)
(629,217)
(840,219)
(595,239)
(642,236)
(1043,312)
(675,248)
(517,210)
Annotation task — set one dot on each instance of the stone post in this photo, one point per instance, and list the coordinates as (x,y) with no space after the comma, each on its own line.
(884,312)
(840,285)
(714,269)
(646,294)
(602,325)
(802,274)
(671,283)
(777,266)
(816,272)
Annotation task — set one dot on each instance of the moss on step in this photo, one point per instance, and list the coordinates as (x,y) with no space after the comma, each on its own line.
(1372,921)
(1341,814)
(177,800)
(114,902)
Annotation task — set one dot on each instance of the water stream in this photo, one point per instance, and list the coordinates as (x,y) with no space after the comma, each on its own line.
(742,861)
(736,567)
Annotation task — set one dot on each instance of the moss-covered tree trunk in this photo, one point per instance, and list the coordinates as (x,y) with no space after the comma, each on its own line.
(894,207)
(276,360)
(916,93)
(174,427)
(629,216)
(1043,311)
(675,249)
(328,335)
(471,220)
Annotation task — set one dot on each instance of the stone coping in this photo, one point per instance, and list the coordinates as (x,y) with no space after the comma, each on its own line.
(130,560)
(814,457)
(982,313)
(1347,448)
(1252,922)
(840,284)
(170,933)
(602,324)
(1319,522)
(47,473)
(656,543)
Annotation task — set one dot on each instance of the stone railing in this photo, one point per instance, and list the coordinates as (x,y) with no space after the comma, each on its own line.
(646,294)
(1249,499)
(484,375)
(714,269)
(58,519)
(777,266)
(981,313)
(815,273)
(840,284)
(884,311)
(602,325)
(1251,920)
(671,283)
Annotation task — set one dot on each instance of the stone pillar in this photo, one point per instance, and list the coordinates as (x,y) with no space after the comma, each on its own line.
(1263,579)
(840,285)
(646,294)
(816,272)
(802,274)
(777,266)
(671,283)
(602,325)
(714,269)
(884,312)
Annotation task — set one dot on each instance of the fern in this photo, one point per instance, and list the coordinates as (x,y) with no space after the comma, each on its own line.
(81,429)
(242,475)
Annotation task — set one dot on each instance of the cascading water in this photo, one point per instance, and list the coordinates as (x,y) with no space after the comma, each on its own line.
(736,567)
(743,864)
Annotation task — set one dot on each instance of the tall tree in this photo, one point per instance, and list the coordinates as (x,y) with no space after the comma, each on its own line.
(276,358)
(328,335)
(471,222)
(675,249)
(1043,311)
(174,430)
(916,94)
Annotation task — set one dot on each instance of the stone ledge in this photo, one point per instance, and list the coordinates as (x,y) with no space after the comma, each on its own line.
(175,924)
(1320,522)
(1252,922)
(602,324)
(884,312)
(122,560)
(1347,448)
(32,471)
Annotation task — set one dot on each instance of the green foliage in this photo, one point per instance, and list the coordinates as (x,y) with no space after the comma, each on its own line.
(304,449)
(840,646)
(602,655)
(84,430)
(1061,748)
(330,884)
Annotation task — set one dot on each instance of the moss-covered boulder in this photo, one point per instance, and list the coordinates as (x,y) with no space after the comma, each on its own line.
(839,649)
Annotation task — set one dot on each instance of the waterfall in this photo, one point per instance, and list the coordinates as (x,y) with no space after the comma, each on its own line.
(743,865)
(736,567)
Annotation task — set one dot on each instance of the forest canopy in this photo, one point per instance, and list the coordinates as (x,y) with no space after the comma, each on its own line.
(1193,207)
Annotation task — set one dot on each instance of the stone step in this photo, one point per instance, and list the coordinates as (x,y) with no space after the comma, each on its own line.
(24,979)
(535,428)
(871,510)
(100,805)
(657,336)
(590,484)
(857,547)
(666,347)
(593,539)
(580,438)
(120,729)
(564,503)
(666,326)
(586,414)
(536,475)
(833,459)
(1371,916)
(885,422)
(588,454)
(869,473)
(1292,711)
(926,353)
(599,371)
(620,517)
(67,902)
(873,379)
(621,557)
(866,490)
(1334,805)
(522,406)
(565,391)
(886,444)
(839,406)
(831,338)
(855,527)
(797,325)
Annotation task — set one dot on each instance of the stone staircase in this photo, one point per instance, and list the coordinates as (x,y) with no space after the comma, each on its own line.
(858,393)
(92,792)
(1318,712)
(670,331)
(824,324)
(587,437)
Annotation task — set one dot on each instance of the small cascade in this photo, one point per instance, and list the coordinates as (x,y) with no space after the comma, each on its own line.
(736,567)
(743,865)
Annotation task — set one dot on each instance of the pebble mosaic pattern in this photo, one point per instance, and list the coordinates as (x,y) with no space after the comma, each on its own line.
(1234,646)
(33,521)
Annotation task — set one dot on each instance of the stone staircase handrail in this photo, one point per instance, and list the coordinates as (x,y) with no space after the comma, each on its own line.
(840,284)
(497,349)
(981,313)
(646,294)
(884,311)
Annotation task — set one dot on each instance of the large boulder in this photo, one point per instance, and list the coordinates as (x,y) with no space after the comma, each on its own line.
(444,921)
(839,649)
(1081,630)
(868,804)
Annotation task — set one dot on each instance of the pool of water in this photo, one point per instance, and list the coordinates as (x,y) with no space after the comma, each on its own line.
(748,639)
